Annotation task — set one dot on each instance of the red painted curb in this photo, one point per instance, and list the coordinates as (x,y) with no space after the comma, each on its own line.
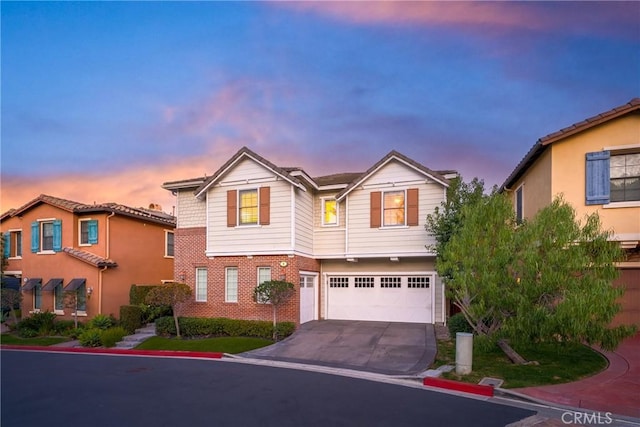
(156,353)
(483,390)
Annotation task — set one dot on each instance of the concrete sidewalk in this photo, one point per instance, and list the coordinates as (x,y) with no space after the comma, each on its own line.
(615,390)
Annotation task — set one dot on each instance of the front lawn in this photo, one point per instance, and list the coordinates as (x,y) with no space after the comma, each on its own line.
(10,339)
(231,345)
(557,364)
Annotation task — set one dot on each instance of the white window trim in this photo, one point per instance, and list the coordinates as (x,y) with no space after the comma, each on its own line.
(166,243)
(205,285)
(79,314)
(623,204)
(322,204)
(239,224)
(617,205)
(58,312)
(41,222)
(11,231)
(80,221)
(226,283)
(396,226)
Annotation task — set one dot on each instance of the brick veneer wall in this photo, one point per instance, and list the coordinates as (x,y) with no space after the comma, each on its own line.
(190,245)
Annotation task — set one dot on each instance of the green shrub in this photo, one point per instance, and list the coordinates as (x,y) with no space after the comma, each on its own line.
(27,333)
(152,312)
(130,317)
(138,293)
(42,323)
(111,336)
(199,327)
(74,333)
(457,323)
(91,338)
(61,327)
(101,321)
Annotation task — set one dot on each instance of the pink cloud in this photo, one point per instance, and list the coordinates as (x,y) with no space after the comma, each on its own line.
(592,17)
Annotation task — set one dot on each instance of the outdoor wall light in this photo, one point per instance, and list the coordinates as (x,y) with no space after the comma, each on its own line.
(89,291)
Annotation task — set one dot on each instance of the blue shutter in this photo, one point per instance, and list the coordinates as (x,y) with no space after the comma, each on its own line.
(7,245)
(597,179)
(57,235)
(35,236)
(93,231)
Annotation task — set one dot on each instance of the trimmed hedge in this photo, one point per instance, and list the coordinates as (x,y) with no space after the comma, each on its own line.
(138,293)
(220,326)
(130,317)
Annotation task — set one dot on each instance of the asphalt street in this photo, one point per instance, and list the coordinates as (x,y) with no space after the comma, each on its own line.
(69,390)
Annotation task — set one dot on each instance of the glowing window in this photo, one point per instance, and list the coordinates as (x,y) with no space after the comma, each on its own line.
(248,209)
(393,208)
(329,212)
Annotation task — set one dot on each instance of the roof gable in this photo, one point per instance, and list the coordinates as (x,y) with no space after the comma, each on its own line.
(541,144)
(393,156)
(245,153)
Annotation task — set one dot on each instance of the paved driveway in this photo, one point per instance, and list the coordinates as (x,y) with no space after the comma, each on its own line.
(383,347)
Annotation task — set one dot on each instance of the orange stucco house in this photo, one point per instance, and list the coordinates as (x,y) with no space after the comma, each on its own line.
(55,245)
(595,165)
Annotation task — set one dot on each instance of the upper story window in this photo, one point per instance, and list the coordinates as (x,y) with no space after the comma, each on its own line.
(169,243)
(46,235)
(12,244)
(248,207)
(393,208)
(88,232)
(519,200)
(612,176)
(329,212)
(625,177)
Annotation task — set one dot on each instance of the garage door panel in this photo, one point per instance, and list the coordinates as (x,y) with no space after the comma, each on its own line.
(376,303)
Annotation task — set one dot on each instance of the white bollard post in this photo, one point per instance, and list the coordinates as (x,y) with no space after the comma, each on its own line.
(464,353)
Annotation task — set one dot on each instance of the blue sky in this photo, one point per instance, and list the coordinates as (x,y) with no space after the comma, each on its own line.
(105,101)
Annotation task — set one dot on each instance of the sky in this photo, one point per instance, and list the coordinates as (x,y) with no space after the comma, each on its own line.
(105,101)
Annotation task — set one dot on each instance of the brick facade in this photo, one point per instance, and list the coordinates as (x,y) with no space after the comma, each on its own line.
(190,245)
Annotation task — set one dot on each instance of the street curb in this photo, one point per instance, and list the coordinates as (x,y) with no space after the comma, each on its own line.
(482,390)
(123,352)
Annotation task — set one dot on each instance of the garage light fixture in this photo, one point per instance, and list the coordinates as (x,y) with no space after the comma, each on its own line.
(352,259)
(394,259)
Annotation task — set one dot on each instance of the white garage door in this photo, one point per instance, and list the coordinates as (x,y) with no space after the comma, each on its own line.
(392,298)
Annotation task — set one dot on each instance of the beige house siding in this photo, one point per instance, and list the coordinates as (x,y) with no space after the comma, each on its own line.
(363,240)
(328,240)
(190,211)
(568,172)
(256,239)
(304,222)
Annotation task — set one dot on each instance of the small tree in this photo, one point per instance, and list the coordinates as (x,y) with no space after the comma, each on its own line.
(70,300)
(172,294)
(276,293)
(10,299)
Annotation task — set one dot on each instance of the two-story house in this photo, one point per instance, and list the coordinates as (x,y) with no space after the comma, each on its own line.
(595,166)
(55,245)
(354,244)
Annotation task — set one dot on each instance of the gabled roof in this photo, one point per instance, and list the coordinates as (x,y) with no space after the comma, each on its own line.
(80,208)
(393,155)
(243,153)
(89,258)
(540,146)
(337,179)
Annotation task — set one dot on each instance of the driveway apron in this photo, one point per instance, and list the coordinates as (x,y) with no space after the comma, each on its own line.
(383,347)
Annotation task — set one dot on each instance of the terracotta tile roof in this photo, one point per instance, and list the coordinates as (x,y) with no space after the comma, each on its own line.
(90,258)
(245,152)
(540,145)
(393,154)
(7,214)
(76,207)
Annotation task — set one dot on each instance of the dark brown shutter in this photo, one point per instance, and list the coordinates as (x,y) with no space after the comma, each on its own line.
(232,207)
(376,202)
(412,207)
(265,205)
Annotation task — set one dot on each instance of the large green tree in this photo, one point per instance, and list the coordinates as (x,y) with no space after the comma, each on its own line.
(547,279)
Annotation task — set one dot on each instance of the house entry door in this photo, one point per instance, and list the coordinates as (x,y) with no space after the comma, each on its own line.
(308,287)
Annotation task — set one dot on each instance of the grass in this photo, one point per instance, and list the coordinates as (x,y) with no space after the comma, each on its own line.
(231,345)
(10,339)
(557,364)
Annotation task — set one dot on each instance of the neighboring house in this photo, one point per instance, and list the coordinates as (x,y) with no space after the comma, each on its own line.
(354,244)
(55,245)
(595,165)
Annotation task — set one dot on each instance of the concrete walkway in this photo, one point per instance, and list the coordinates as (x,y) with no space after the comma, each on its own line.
(615,390)
(382,347)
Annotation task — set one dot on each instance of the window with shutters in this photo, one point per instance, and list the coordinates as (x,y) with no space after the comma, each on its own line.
(248,207)
(393,208)
(88,232)
(46,236)
(12,244)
